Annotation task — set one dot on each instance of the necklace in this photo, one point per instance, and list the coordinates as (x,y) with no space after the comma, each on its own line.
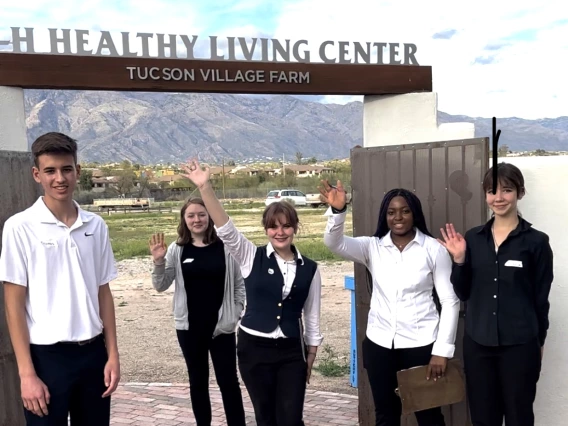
(493,235)
(401,246)
(495,238)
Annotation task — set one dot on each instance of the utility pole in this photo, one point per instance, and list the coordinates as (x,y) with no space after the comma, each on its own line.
(223,178)
(283,167)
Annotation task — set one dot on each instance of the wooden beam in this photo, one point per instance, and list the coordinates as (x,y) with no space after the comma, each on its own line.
(46,71)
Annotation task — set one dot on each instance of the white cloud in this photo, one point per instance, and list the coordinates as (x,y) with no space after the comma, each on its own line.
(524,79)
(149,16)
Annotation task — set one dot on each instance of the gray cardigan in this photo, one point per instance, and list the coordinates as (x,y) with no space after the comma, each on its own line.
(233,300)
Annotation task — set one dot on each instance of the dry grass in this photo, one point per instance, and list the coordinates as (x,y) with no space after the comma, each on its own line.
(130,232)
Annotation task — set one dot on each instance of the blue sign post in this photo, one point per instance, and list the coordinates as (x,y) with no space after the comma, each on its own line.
(350,285)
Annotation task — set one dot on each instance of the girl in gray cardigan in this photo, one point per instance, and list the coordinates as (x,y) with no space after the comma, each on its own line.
(209,297)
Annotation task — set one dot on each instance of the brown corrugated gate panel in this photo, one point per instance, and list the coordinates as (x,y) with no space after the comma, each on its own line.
(437,194)
(17,192)
(456,203)
(422,172)
(392,169)
(477,158)
(446,176)
(408,175)
(370,169)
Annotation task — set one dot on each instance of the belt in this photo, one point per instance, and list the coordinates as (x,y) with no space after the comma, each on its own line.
(83,342)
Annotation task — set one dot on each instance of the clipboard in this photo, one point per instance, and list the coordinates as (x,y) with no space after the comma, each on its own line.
(418,394)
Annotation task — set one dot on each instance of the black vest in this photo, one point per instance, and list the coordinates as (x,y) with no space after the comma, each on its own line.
(265,308)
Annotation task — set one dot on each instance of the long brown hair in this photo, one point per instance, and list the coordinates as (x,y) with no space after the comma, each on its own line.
(184,234)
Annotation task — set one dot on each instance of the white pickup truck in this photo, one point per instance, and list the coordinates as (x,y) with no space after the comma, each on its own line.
(314,200)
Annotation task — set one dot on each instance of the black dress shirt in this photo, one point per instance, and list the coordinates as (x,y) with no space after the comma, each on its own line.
(505,292)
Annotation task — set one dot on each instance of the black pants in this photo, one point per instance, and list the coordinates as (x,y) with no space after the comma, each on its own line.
(196,347)
(382,365)
(74,376)
(274,372)
(501,382)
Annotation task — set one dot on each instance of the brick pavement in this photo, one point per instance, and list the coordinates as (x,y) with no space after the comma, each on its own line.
(153,404)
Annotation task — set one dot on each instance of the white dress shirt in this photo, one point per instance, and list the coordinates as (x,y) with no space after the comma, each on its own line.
(244,252)
(403,312)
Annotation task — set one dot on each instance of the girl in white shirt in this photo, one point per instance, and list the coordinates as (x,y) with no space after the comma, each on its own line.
(408,267)
(283,294)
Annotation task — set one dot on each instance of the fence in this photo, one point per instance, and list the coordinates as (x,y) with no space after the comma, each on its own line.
(179,194)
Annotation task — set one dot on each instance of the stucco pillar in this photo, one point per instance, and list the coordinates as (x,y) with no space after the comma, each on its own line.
(12,120)
(409,118)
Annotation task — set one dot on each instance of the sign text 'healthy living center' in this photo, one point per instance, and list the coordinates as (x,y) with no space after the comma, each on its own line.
(174,46)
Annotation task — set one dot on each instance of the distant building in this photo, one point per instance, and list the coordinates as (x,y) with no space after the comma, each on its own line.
(170,179)
(248,171)
(304,170)
(101,184)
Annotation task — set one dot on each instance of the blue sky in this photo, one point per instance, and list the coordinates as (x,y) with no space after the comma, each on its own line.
(488,57)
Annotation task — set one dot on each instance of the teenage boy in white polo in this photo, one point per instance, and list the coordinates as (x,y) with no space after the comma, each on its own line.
(56,265)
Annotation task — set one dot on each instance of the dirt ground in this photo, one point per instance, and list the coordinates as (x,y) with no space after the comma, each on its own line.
(148,345)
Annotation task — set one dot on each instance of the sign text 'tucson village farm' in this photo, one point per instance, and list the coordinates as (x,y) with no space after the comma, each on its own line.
(214,48)
(218,75)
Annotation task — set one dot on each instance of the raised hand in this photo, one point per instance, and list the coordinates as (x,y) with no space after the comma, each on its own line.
(335,196)
(158,247)
(454,242)
(195,173)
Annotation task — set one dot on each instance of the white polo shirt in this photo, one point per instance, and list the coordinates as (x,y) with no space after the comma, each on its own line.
(62,268)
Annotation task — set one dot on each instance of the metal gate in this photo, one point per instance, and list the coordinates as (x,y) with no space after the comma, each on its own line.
(447,178)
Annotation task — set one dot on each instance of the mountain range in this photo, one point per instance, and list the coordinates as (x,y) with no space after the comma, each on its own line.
(150,128)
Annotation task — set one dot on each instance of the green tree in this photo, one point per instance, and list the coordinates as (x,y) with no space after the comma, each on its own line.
(182,183)
(143,184)
(287,180)
(107,171)
(502,151)
(86,180)
(339,167)
(124,181)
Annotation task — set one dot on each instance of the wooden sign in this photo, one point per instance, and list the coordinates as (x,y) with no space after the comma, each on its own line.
(46,71)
